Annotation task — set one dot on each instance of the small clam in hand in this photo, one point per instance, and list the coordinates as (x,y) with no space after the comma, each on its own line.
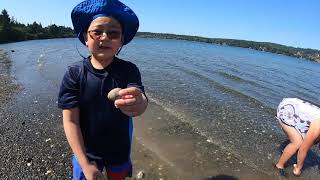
(114,94)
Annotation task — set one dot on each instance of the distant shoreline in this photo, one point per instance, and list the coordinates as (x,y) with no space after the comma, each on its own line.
(309,54)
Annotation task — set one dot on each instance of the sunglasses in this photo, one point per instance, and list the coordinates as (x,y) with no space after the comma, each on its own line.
(98,34)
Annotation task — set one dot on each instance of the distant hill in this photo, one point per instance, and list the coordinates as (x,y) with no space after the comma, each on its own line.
(310,54)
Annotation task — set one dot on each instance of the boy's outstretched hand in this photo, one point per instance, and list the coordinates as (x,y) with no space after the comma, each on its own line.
(132,101)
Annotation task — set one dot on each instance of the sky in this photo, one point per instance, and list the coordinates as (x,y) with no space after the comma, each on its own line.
(288,22)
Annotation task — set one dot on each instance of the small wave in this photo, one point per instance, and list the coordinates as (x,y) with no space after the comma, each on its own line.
(53,51)
(217,85)
(207,74)
(233,77)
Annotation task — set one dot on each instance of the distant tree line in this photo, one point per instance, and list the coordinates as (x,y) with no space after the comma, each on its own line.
(310,54)
(12,31)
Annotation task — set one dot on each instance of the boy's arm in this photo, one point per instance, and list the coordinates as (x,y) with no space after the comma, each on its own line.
(133,102)
(73,133)
(312,134)
(74,136)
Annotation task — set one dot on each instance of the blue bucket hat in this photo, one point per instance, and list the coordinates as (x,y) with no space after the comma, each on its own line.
(88,10)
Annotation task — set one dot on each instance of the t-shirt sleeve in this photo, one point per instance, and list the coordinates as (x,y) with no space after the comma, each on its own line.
(134,77)
(70,89)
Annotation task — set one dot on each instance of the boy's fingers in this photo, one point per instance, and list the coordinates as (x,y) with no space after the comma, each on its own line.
(127,97)
(127,108)
(130,91)
(125,102)
(128,100)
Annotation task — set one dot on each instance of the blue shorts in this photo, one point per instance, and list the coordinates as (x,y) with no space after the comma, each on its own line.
(113,172)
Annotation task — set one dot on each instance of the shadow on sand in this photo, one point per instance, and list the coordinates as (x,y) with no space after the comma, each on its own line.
(221,177)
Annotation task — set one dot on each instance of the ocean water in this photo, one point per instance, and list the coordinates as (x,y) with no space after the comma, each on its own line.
(228,94)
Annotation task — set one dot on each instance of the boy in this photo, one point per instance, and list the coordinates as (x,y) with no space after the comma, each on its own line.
(99,131)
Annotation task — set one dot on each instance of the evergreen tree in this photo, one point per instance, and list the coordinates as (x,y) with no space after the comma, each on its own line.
(5,26)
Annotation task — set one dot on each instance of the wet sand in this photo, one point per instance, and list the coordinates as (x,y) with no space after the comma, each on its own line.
(33,145)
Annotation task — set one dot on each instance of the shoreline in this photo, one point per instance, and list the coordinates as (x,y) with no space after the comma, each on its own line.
(7,85)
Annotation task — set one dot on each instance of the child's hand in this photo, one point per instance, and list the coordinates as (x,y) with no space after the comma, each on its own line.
(132,101)
(91,172)
(296,170)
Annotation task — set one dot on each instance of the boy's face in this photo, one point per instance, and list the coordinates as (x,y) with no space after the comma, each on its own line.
(104,37)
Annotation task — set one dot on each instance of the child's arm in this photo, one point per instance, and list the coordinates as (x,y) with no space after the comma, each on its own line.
(74,136)
(132,102)
(312,134)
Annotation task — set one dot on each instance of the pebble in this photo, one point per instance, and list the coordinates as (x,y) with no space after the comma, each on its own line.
(140,175)
(49,139)
(114,94)
(209,140)
(48,172)
(29,160)
(29,164)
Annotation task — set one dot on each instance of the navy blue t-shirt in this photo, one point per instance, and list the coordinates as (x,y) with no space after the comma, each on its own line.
(105,129)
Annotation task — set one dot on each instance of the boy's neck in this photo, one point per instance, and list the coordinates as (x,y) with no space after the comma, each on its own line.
(100,63)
